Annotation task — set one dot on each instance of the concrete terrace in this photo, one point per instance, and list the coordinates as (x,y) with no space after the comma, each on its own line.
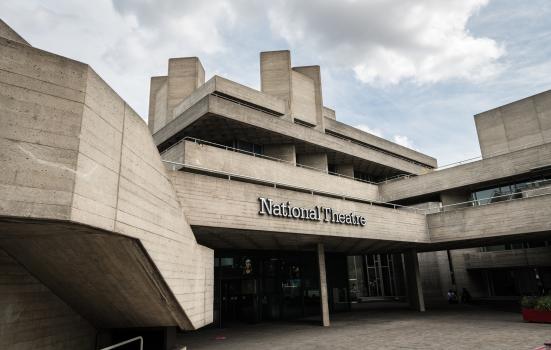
(437,328)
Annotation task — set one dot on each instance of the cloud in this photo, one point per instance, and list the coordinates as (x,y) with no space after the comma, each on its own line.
(365,128)
(388,41)
(198,25)
(404,141)
(399,139)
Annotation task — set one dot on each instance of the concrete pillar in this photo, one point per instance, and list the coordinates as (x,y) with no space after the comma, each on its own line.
(313,160)
(413,283)
(346,169)
(286,152)
(455,197)
(323,286)
(185,74)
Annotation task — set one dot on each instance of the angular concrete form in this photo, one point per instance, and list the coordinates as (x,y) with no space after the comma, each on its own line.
(85,195)
(516,126)
(239,205)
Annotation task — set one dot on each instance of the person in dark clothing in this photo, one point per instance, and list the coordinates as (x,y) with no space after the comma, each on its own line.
(452,297)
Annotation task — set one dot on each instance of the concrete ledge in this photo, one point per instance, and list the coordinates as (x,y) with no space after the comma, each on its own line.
(228,161)
(220,203)
(509,258)
(505,220)
(475,173)
(346,130)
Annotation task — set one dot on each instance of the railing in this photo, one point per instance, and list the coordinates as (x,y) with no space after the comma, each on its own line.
(276,184)
(258,155)
(360,143)
(489,155)
(124,343)
(461,162)
(526,193)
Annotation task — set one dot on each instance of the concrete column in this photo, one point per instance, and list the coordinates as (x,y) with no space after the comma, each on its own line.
(313,160)
(455,197)
(346,169)
(413,283)
(323,286)
(282,151)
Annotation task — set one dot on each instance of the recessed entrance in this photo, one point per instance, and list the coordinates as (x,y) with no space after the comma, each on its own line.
(254,286)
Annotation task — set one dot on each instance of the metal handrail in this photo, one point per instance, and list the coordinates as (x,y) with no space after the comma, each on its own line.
(461,162)
(423,211)
(258,155)
(508,197)
(124,343)
(489,155)
(275,184)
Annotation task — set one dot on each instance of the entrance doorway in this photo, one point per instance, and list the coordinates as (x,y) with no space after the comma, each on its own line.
(265,286)
(376,276)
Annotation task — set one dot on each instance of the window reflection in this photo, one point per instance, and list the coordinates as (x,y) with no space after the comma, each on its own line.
(510,191)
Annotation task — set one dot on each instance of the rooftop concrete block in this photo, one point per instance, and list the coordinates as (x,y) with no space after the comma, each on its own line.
(275,74)
(157,116)
(303,105)
(515,126)
(184,76)
(314,73)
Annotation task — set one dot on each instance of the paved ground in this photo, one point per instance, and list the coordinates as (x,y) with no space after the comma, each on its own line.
(460,327)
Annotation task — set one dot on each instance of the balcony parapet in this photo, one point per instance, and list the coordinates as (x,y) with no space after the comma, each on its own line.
(509,258)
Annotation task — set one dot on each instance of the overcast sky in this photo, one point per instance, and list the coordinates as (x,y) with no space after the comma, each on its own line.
(414,72)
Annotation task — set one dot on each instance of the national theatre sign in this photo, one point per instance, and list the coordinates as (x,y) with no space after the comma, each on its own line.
(317,213)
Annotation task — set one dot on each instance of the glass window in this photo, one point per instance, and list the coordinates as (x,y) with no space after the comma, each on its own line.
(249,147)
(362,176)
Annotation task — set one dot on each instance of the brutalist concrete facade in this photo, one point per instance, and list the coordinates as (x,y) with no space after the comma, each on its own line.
(107,223)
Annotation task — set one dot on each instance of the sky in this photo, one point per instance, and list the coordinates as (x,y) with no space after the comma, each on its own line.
(412,71)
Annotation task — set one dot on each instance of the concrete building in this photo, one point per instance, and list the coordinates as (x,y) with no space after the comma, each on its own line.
(238,205)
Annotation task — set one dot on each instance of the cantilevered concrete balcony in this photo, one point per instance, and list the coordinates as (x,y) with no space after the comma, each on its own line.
(197,154)
(506,166)
(334,127)
(216,118)
(224,213)
(493,223)
(530,257)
